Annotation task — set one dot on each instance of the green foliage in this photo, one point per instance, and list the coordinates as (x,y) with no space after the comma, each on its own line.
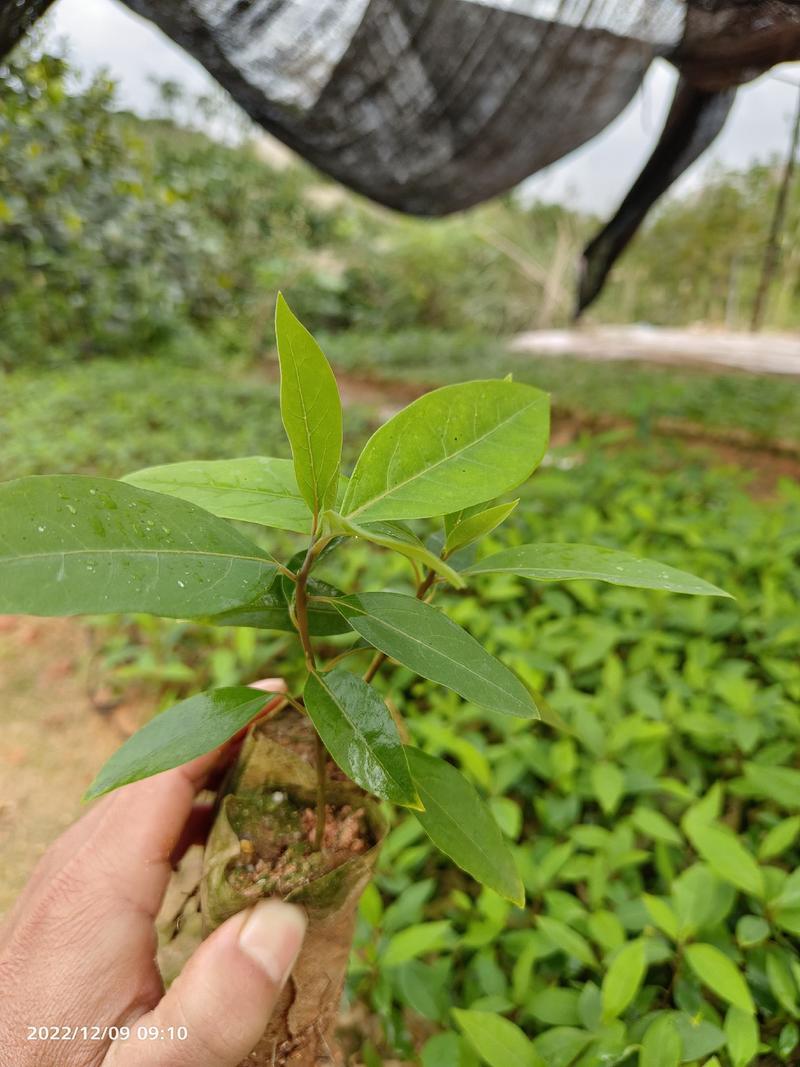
(74,544)
(454,447)
(189,729)
(118,236)
(252,489)
(423,639)
(360,733)
(311,411)
(627,853)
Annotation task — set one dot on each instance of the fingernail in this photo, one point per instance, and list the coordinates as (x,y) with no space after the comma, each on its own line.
(272,937)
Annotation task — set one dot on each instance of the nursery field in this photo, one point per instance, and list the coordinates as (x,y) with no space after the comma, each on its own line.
(656,823)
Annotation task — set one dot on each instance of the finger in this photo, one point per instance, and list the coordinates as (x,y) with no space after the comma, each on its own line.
(150,817)
(131,835)
(224,996)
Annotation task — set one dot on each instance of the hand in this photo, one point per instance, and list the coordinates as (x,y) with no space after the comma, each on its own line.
(78,948)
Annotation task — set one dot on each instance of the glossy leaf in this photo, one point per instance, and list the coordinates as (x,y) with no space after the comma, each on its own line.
(398,538)
(623,979)
(720,974)
(565,562)
(454,447)
(661,1044)
(498,1041)
(270,610)
(423,639)
(459,823)
(182,733)
(464,527)
(71,545)
(255,489)
(359,732)
(310,409)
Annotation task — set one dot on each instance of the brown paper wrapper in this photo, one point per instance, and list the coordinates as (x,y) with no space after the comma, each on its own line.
(258,847)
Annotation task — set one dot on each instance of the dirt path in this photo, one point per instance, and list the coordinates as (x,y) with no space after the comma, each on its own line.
(769,353)
(52,741)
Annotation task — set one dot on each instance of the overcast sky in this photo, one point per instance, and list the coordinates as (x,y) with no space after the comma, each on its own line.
(101,33)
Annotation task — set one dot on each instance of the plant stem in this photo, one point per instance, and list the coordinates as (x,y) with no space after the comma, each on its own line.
(319,832)
(301,622)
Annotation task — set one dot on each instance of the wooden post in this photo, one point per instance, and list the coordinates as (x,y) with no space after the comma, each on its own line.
(772,251)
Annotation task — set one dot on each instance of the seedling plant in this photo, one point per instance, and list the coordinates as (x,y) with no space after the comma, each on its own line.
(430,484)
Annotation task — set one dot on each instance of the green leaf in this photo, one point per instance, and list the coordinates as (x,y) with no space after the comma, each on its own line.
(252,489)
(567,939)
(359,732)
(662,915)
(71,545)
(699,1037)
(653,824)
(781,784)
(498,1041)
(452,448)
(459,823)
(661,1045)
(623,979)
(555,1006)
(781,981)
(726,856)
(310,409)
(561,1045)
(741,1036)
(270,610)
(563,562)
(720,974)
(779,838)
(447,1050)
(789,896)
(423,639)
(788,1039)
(608,785)
(468,525)
(751,930)
(182,733)
(416,940)
(398,538)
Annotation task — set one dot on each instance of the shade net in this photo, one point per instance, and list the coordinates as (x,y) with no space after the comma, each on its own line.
(431,106)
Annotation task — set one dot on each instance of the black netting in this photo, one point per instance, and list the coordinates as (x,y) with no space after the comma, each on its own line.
(430,106)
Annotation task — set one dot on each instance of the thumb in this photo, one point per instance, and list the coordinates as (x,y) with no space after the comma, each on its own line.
(224,995)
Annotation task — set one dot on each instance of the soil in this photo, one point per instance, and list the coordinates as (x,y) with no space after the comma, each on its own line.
(52,742)
(277,843)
